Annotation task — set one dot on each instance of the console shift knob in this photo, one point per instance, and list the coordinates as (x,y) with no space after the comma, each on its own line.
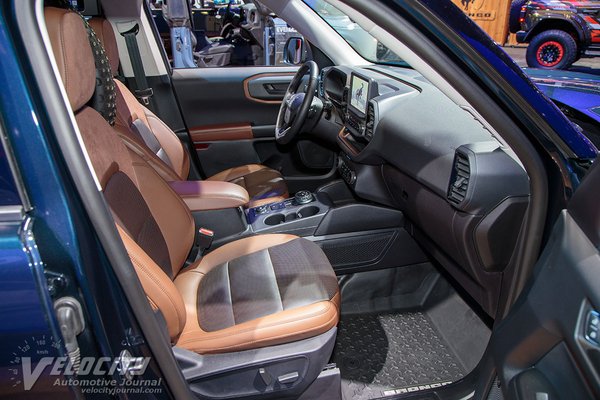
(303,197)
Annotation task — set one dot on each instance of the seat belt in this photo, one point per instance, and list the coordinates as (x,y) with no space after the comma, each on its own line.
(150,140)
(143,93)
(202,242)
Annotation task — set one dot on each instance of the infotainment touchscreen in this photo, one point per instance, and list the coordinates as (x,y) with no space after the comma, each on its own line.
(359,93)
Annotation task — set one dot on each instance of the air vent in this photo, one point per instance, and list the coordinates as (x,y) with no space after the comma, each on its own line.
(345,96)
(370,122)
(460,179)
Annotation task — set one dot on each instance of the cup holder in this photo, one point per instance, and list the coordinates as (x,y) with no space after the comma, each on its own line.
(308,211)
(275,219)
(304,212)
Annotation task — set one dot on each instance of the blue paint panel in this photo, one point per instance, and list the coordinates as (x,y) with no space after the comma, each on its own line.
(24,331)
(27,324)
(19,300)
(9,195)
(577,90)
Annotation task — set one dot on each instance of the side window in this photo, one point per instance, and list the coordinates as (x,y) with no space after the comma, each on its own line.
(231,33)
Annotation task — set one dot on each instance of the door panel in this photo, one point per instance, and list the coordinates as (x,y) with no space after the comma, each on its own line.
(231,115)
(303,169)
(219,156)
(210,96)
(549,342)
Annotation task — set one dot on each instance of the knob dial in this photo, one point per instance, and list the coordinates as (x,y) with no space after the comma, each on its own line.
(303,197)
(261,209)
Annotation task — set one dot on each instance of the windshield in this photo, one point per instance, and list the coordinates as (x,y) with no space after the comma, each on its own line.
(360,40)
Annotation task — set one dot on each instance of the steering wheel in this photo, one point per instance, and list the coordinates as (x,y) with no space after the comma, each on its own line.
(295,105)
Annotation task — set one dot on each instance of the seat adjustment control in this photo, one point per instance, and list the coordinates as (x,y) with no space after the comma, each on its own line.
(266,377)
(288,378)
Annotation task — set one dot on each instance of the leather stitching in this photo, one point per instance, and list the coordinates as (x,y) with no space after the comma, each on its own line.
(271,338)
(324,311)
(158,284)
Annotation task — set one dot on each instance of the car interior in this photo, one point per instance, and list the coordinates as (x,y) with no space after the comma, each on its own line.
(299,229)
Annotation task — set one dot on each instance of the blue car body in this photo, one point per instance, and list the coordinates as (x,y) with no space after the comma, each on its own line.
(46,236)
(574,89)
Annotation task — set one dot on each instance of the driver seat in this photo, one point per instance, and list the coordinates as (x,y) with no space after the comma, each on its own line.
(149,137)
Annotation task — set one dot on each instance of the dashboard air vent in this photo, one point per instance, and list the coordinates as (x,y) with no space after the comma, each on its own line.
(460,179)
(370,122)
(345,96)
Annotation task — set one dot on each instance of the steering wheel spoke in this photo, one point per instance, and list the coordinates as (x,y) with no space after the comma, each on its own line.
(296,104)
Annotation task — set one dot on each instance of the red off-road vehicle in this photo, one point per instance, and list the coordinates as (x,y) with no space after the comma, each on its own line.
(558,32)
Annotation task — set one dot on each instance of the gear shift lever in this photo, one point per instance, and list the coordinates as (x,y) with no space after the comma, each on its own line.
(303,197)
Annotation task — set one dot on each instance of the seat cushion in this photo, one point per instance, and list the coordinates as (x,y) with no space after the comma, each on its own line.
(255,292)
(260,182)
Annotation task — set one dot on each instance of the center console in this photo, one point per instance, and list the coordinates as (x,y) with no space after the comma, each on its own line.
(354,235)
(300,215)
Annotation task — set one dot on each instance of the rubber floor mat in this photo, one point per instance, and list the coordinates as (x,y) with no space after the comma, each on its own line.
(381,353)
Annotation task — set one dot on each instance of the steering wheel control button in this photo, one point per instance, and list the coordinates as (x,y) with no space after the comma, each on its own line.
(303,197)
(592,328)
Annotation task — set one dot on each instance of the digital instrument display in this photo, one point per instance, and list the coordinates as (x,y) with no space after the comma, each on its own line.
(359,93)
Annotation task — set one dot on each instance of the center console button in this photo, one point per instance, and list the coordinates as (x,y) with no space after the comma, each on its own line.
(261,209)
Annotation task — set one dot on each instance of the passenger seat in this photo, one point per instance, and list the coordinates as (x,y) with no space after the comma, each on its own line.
(154,141)
(264,290)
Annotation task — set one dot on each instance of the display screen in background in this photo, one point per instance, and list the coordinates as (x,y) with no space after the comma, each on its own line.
(359,90)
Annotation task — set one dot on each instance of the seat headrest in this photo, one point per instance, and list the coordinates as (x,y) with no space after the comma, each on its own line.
(106,34)
(73,54)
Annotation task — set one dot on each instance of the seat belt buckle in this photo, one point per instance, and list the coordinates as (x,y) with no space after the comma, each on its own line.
(204,239)
(144,95)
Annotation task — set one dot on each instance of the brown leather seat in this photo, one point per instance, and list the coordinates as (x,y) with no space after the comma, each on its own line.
(166,153)
(255,292)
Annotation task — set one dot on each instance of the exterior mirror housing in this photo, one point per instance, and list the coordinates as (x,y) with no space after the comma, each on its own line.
(294,51)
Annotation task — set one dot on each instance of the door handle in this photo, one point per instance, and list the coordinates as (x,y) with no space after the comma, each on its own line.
(276,88)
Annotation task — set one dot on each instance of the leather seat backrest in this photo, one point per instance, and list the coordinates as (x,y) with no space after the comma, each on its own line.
(156,226)
(164,151)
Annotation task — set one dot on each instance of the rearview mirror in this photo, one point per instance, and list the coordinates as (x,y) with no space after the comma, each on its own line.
(294,51)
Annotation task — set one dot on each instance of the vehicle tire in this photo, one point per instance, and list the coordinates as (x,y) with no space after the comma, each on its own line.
(553,49)
(513,18)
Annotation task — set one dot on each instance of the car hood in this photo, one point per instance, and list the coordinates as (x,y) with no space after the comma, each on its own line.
(454,19)
(577,90)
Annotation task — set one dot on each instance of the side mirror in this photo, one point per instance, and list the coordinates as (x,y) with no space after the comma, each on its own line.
(294,51)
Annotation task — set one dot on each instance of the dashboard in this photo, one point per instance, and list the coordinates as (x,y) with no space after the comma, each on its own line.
(405,144)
